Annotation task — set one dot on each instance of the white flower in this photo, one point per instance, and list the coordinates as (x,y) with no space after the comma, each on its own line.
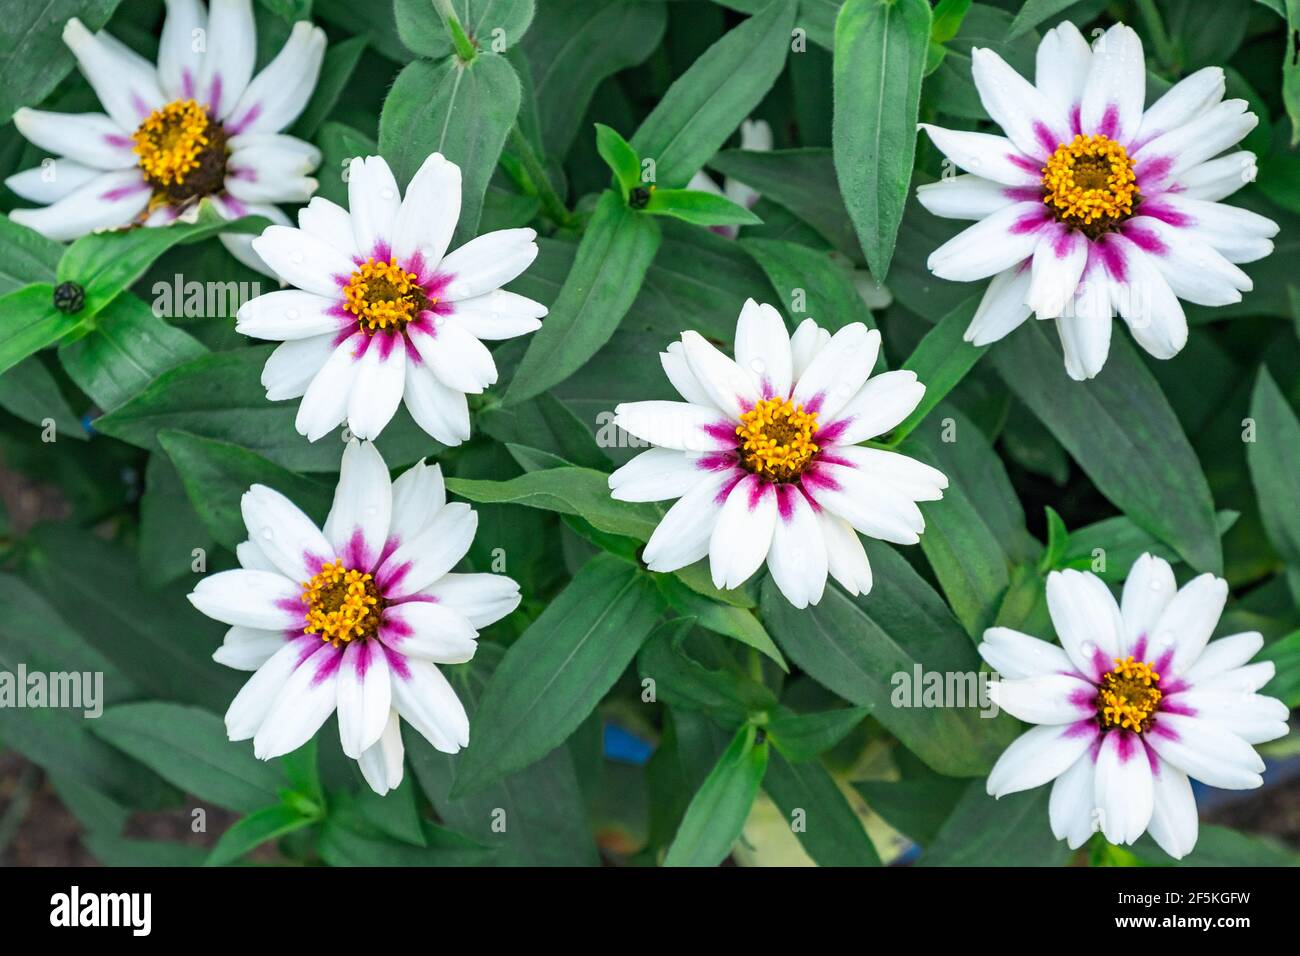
(1091,206)
(355,617)
(199,125)
(764,456)
(755,135)
(379,313)
(1134,701)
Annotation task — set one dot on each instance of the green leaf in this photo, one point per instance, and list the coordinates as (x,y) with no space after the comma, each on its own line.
(880,54)
(127,349)
(1291,70)
(348,839)
(612,259)
(1011,831)
(940,362)
(868,650)
(339,145)
(720,807)
(422,30)
(1274,460)
(462,110)
(33,56)
(711,99)
(699,208)
(620,157)
(1220,846)
(29,322)
(336,71)
(1121,542)
(216,474)
(557,672)
(246,835)
(567,490)
(113,850)
(25,256)
(106,263)
(723,692)
(831,832)
(1120,429)
(948,17)
(1035,12)
(188,747)
(574,47)
(804,737)
(28,391)
(170,529)
(1285,655)
(824,279)
(916,805)
(548,425)
(737,623)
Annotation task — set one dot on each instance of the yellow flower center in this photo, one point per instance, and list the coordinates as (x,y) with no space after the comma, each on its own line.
(776,439)
(1128,695)
(382,294)
(1090,183)
(182,152)
(342,604)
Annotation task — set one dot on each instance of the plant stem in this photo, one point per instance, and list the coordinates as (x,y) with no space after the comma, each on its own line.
(552,204)
(459,38)
(1159,35)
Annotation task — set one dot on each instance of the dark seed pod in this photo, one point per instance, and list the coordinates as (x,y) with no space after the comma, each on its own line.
(638,197)
(69,298)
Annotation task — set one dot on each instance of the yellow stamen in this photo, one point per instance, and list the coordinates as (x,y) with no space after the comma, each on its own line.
(171,141)
(381,294)
(776,439)
(1090,182)
(1128,695)
(342,604)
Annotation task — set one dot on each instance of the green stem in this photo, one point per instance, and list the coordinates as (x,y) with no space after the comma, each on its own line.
(459,38)
(552,204)
(1159,35)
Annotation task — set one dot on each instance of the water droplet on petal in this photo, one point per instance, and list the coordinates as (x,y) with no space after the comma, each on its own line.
(387,193)
(291,314)
(268,534)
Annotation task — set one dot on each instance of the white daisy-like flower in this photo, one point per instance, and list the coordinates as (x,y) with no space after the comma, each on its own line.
(1090,205)
(754,135)
(198,125)
(1134,701)
(355,617)
(379,314)
(764,456)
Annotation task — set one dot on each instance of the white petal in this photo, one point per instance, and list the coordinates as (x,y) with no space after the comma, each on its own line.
(1219,178)
(305,702)
(440,410)
(377,391)
(1173,818)
(1015,655)
(278,94)
(763,348)
(656,474)
(248,710)
(1241,680)
(964,197)
(878,407)
(287,314)
(331,223)
(303,260)
(373,201)
(429,212)
(126,83)
(1059,258)
(51,181)
(846,559)
(1224,654)
(911,478)
(1204,750)
(482,598)
(1254,718)
(985,155)
(254,558)
(1123,788)
(1085,330)
(1239,234)
(231,53)
(365,694)
(284,534)
(1037,756)
(179,62)
(429,631)
(743,532)
(1072,810)
(419,493)
(870,504)
(1031,120)
(728,386)
(808,340)
(258,599)
(1002,308)
(427,702)
(423,559)
(248,648)
(381,763)
(1194,270)
(488,262)
(293,365)
(838,370)
(1053,699)
(1061,66)
(1087,620)
(1189,619)
(107,201)
(89,138)
(498,315)
(1147,592)
(992,245)
(1183,102)
(325,403)
(357,526)
(677,425)
(1116,88)
(266,178)
(1166,157)
(454,355)
(797,559)
(682,537)
(682,378)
